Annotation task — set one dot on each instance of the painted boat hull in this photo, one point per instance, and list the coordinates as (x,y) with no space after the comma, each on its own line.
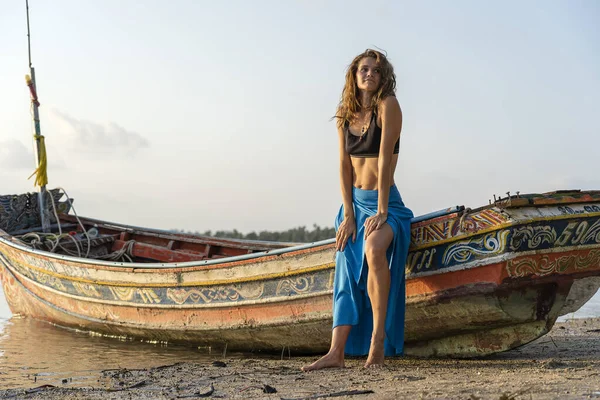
(477,283)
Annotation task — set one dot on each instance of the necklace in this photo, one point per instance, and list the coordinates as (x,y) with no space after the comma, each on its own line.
(365,126)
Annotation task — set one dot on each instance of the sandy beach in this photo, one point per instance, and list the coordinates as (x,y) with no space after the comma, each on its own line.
(564,364)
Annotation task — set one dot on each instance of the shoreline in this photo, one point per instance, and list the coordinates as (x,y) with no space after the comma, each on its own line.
(563,364)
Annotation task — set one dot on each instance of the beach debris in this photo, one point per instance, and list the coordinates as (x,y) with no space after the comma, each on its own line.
(513,396)
(209,393)
(177,364)
(552,364)
(134,386)
(336,394)
(408,378)
(118,372)
(39,389)
(288,351)
(29,391)
(264,388)
(507,397)
(269,389)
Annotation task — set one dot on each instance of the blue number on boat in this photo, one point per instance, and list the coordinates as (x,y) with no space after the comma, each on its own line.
(592,208)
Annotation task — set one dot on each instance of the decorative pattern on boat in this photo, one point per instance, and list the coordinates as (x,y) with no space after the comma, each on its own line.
(447,228)
(49,265)
(550,264)
(311,283)
(145,295)
(543,235)
(19,212)
(533,236)
(87,290)
(299,285)
(491,244)
(249,291)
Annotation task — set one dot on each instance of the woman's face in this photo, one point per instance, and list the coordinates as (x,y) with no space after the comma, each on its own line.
(368,75)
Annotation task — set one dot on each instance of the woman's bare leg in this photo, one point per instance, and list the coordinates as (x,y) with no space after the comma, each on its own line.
(335,357)
(378,287)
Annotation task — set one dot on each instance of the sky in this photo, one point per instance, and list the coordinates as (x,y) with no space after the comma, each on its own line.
(201,115)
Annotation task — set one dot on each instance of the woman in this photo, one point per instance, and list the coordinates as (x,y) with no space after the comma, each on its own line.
(373,225)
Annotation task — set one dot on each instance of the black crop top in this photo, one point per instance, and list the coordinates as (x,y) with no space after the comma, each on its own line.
(366,145)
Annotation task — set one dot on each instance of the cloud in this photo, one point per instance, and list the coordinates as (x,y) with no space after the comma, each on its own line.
(14,155)
(96,137)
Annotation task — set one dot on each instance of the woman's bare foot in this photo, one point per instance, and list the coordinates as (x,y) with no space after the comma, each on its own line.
(376,354)
(329,360)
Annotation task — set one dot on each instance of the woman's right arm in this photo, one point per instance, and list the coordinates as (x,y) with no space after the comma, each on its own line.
(348,226)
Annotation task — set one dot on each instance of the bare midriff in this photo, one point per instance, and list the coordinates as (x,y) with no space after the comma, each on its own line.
(366,170)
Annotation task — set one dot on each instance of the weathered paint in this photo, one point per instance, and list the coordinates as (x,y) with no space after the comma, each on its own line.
(478,282)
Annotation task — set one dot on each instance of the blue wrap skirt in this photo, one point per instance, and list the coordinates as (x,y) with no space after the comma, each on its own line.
(351,304)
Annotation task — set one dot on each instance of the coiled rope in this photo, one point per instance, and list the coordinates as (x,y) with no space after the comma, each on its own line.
(39,240)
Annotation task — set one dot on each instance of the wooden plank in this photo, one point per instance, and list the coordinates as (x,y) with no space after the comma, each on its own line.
(586,198)
(158,253)
(163,236)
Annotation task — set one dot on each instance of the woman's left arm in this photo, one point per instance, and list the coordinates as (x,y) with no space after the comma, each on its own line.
(391,125)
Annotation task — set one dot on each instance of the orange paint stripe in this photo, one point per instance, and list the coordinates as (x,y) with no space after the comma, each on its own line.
(493,273)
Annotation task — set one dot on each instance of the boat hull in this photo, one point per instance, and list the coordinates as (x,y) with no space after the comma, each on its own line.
(476,284)
(483,319)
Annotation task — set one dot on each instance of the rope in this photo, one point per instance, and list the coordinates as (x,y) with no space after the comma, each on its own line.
(55,213)
(41,172)
(124,252)
(461,223)
(83,230)
(52,241)
(39,240)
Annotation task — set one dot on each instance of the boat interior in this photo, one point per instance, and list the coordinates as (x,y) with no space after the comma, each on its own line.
(90,238)
(80,237)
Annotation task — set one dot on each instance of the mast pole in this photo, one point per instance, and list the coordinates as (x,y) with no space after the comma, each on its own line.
(39,139)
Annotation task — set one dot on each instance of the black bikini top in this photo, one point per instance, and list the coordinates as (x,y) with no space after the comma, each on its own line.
(367,144)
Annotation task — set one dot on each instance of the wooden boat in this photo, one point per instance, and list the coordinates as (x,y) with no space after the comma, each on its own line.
(478,281)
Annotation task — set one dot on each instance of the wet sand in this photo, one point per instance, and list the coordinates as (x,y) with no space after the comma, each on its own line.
(564,364)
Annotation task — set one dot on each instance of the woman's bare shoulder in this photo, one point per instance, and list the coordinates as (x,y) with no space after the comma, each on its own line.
(391,103)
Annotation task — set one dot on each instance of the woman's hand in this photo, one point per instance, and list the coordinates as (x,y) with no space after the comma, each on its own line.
(346,229)
(373,223)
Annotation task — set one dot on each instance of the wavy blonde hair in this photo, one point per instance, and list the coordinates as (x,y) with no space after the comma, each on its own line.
(349,102)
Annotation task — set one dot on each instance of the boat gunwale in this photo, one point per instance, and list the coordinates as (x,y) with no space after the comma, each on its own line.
(175,266)
(214,282)
(267,255)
